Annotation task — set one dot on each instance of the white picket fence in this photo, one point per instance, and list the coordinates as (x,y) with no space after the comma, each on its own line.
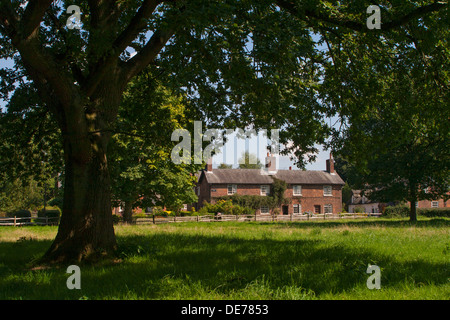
(28,221)
(264,218)
(16,221)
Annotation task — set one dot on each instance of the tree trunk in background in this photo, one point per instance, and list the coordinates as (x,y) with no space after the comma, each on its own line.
(128,212)
(413,199)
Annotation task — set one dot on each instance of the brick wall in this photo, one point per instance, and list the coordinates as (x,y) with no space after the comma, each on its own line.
(312,195)
(427,203)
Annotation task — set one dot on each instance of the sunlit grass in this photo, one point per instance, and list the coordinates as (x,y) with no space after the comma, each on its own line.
(235,260)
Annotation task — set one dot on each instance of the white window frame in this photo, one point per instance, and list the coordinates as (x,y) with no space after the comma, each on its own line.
(328,208)
(435,204)
(233,189)
(266,189)
(261,210)
(325,191)
(299,206)
(295,189)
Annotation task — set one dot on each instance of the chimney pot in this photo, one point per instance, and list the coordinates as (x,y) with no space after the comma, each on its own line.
(209,165)
(330,164)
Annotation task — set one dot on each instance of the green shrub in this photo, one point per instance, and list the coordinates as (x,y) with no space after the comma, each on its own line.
(21,214)
(49,212)
(191,213)
(401,211)
(397,211)
(358,210)
(116,218)
(140,215)
(56,202)
(204,211)
(434,212)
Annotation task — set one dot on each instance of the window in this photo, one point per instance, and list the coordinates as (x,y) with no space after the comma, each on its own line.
(328,208)
(297,190)
(417,204)
(297,208)
(316,209)
(435,204)
(232,188)
(327,191)
(265,190)
(265,210)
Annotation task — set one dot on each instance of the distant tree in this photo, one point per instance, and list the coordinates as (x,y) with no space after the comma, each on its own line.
(142,173)
(225,166)
(249,161)
(395,132)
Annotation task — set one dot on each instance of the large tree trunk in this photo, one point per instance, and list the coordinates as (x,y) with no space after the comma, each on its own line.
(86,229)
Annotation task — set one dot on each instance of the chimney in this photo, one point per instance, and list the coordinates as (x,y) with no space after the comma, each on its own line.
(209,165)
(330,164)
(290,168)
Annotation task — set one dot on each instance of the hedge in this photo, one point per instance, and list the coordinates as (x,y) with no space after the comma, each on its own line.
(49,212)
(21,214)
(396,211)
(403,211)
(434,212)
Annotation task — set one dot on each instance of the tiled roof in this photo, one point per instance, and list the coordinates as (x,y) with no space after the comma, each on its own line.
(254,176)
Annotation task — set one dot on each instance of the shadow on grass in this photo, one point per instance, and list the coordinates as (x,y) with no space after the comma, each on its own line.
(179,266)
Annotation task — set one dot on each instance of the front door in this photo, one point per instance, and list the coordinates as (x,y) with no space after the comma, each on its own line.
(285,210)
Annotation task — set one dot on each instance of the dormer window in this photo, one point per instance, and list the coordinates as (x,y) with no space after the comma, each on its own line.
(265,190)
(232,189)
(297,190)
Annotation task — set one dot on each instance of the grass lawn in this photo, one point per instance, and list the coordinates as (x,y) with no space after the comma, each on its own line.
(235,260)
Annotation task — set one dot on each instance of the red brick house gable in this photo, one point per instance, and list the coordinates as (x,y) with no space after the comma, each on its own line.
(308,191)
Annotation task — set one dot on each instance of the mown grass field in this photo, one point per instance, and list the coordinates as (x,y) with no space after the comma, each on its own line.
(230,260)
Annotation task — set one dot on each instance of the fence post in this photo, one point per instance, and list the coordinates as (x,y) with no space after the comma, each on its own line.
(154,222)
(255,216)
(197,218)
(46,220)
(14,221)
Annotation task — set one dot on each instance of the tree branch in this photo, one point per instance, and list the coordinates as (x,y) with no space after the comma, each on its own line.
(137,24)
(148,53)
(291,7)
(8,18)
(32,16)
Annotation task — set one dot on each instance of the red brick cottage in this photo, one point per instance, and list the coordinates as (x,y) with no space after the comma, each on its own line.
(308,191)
